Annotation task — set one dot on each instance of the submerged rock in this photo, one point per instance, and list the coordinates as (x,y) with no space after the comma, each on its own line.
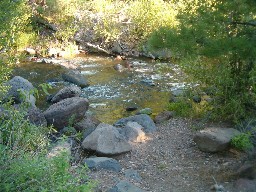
(75,77)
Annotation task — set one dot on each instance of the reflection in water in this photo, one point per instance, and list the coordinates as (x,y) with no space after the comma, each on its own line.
(147,84)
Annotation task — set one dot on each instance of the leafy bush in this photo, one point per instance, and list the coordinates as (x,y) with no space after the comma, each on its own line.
(242,141)
(30,172)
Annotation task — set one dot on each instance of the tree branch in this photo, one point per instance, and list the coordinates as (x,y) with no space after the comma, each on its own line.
(244,23)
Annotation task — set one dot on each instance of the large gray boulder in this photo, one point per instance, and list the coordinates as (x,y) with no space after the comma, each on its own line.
(106,140)
(214,139)
(98,163)
(75,77)
(124,186)
(144,120)
(66,92)
(21,90)
(60,114)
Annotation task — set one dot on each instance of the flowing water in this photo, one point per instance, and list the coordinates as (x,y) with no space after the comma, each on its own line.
(147,84)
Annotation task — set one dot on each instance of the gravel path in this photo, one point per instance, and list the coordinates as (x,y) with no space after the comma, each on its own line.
(169,161)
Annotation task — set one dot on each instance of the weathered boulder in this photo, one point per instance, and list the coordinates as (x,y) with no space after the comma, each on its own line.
(20,90)
(97,163)
(36,116)
(106,140)
(164,116)
(66,92)
(144,120)
(133,132)
(214,139)
(59,114)
(75,77)
(124,186)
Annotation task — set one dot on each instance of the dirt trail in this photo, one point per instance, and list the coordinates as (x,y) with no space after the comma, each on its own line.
(169,161)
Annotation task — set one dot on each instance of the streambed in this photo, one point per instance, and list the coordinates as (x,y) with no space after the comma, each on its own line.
(147,84)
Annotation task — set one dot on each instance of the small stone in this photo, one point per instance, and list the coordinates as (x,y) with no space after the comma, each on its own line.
(97,163)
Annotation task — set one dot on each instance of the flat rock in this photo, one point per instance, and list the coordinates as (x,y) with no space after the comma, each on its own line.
(106,140)
(75,77)
(98,163)
(214,139)
(144,120)
(66,92)
(124,186)
(60,114)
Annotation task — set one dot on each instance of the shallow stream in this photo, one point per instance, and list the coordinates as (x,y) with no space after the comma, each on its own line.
(147,84)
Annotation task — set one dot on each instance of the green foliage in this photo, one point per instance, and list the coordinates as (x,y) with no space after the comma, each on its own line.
(149,15)
(14,31)
(242,141)
(17,132)
(214,42)
(39,173)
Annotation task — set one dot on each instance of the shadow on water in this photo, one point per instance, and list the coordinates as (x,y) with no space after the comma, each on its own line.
(147,84)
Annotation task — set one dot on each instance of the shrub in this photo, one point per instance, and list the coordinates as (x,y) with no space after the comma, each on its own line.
(29,172)
(242,141)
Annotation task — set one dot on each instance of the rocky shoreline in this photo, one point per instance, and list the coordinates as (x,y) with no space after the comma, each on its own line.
(135,154)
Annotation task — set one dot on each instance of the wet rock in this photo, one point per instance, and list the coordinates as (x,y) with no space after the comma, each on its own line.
(147,111)
(119,67)
(106,140)
(133,132)
(75,77)
(144,120)
(36,117)
(124,186)
(132,107)
(214,139)
(164,116)
(20,90)
(98,163)
(87,122)
(66,92)
(245,185)
(132,174)
(60,114)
